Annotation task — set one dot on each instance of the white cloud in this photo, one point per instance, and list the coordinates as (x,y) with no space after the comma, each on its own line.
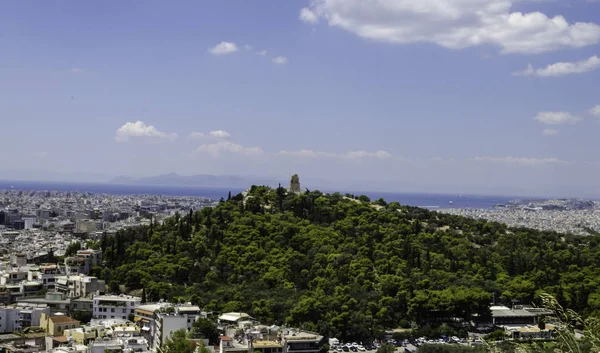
(306,154)
(76,70)
(219,134)
(216,149)
(262,53)
(347,155)
(549,132)
(525,161)
(557,118)
(308,16)
(280,60)
(365,154)
(196,135)
(139,129)
(562,68)
(454,24)
(595,111)
(223,48)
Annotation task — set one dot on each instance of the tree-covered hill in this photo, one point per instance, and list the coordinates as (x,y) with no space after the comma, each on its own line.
(347,267)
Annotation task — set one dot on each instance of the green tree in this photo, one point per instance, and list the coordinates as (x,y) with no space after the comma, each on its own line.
(206,328)
(114,287)
(73,248)
(179,343)
(386,348)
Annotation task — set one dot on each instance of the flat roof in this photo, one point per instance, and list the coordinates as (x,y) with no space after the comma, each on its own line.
(148,307)
(234,316)
(303,336)
(116,297)
(512,313)
(61,319)
(265,344)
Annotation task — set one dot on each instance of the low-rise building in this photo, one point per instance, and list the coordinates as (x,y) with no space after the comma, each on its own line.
(79,285)
(18,259)
(57,302)
(30,315)
(114,306)
(233,319)
(299,341)
(44,274)
(159,321)
(93,257)
(55,325)
(128,344)
(10,319)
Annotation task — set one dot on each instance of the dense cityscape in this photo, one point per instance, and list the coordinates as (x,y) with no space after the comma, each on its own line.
(563,216)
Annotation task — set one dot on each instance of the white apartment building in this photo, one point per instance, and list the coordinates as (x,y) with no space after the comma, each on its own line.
(114,306)
(15,318)
(160,320)
(45,274)
(9,319)
(29,221)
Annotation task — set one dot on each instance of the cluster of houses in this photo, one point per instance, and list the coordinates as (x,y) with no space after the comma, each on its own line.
(42,307)
(112,329)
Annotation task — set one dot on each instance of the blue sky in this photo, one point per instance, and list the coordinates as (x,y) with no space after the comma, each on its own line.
(481,96)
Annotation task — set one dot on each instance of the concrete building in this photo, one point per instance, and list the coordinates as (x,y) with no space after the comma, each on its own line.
(93,257)
(45,274)
(43,215)
(80,285)
(233,319)
(29,222)
(159,321)
(14,276)
(298,341)
(114,306)
(125,344)
(18,259)
(57,302)
(518,315)
(74,265)
(31,315)
(88,226)
(57,324)
(10,319)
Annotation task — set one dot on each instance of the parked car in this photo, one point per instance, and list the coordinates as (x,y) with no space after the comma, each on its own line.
(361,348)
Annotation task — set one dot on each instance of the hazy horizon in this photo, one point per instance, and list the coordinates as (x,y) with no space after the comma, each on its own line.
(39,177)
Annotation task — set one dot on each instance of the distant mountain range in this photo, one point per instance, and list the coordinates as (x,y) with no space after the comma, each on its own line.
(195,180)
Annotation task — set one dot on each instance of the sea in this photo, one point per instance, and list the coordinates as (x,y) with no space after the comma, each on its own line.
(425,200)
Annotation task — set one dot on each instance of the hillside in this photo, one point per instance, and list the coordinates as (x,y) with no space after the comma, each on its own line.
(345,267)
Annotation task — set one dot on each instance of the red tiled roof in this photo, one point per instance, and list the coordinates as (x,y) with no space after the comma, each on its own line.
(226,338)
(63,320)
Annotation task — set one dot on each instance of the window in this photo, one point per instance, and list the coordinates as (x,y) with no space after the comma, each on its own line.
(112,310)
(124,311)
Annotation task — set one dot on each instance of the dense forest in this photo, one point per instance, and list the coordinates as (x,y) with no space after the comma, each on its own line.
(346,266)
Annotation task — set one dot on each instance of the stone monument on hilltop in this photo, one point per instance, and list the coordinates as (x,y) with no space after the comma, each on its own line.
(295,184)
